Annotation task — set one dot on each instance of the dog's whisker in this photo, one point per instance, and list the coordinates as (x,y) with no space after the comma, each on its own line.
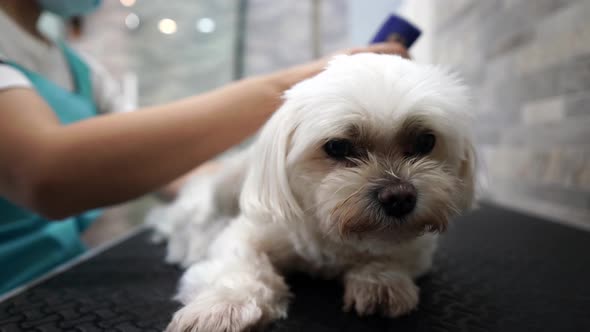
(322,202)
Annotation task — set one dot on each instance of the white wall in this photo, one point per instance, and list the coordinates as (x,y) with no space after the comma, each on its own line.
(420,12)
(364,20)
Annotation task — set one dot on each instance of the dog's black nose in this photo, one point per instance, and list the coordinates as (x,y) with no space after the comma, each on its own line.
(398,199)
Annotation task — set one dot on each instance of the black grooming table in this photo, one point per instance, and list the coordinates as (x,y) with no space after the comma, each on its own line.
(495,270)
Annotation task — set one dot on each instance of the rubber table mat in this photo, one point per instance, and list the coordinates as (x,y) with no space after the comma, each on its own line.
(496,270)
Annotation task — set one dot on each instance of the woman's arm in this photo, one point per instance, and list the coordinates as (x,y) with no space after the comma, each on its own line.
(60,170)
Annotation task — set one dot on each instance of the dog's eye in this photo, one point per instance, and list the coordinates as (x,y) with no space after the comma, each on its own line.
(339,148)
(424,144)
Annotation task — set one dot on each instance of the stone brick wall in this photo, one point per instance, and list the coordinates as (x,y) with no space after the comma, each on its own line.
(529,62)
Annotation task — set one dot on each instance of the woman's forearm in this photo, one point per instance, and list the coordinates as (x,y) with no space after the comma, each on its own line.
(118,157)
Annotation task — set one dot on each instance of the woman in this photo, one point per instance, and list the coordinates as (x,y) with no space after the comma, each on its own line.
(59,160)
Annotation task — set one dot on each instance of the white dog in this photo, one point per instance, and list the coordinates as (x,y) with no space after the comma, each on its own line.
(351,179)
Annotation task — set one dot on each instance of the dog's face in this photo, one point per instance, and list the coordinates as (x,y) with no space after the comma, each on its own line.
(374,147)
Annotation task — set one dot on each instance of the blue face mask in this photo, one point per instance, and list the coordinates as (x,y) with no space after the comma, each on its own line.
(69,8)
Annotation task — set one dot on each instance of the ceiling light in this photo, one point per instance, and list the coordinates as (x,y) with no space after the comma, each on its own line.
(132,21)
(127,3)
(206,25)
(167,26)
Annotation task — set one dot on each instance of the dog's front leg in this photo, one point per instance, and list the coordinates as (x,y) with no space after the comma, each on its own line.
(381,288)
(236,292)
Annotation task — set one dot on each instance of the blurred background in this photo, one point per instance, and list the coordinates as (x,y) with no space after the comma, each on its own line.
(527,61)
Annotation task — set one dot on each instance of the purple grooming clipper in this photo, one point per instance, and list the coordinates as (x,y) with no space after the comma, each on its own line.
(396,28)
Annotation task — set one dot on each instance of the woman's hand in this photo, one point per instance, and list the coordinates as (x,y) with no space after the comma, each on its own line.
(284,79)
(389,47)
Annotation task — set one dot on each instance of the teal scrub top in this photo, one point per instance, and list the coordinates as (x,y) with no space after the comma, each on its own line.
(31,245)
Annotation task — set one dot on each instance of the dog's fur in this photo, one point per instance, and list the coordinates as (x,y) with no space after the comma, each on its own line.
(286,205)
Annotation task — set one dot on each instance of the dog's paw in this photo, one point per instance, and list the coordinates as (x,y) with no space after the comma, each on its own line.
(394,298)
(204,316)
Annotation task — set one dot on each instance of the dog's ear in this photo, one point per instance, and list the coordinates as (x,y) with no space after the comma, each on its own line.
(467,173)
(267,193)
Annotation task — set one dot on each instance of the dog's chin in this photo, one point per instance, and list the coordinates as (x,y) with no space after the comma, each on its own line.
(347,226)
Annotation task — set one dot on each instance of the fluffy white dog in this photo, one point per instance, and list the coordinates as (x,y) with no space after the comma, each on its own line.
(352,179)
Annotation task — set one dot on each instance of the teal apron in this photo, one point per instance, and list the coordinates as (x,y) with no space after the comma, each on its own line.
(29,244)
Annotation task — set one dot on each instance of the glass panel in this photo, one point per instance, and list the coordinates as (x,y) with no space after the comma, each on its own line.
(175,48)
